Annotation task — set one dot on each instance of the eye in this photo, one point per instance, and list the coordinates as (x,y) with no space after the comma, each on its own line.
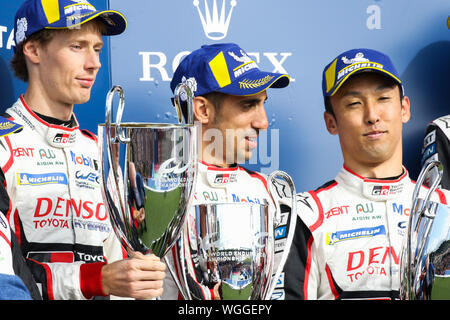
(353,104)
(75,46)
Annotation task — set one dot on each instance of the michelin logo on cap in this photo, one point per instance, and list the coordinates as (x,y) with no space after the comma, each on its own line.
(352,62)
(357,62)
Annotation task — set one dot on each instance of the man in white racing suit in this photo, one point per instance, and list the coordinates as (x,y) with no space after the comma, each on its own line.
(16,280)
(349,232)
(51,168)
(230,93)
(436,146)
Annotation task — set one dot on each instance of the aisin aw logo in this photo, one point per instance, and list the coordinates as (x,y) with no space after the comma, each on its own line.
(215,25)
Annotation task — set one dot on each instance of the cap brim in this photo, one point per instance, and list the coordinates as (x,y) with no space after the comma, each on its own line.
(255,82)
(7,127)
(366,69)
(114,21)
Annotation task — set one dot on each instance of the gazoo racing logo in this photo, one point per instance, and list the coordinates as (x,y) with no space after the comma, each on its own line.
(64,138)
(224,178)
(385,190)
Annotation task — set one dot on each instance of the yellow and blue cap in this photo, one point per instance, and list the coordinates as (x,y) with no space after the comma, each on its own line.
(35,15)
(7,127)
(226,68)
(352,62)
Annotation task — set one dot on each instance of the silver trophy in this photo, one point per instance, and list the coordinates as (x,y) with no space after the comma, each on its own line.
(425,259)
(227,249)
(148,173)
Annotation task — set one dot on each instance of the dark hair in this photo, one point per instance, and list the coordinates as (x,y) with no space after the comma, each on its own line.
(43,37)
(216,99)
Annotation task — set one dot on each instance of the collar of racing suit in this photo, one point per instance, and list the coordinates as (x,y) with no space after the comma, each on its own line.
(373,189)
(219,177)
(56,135)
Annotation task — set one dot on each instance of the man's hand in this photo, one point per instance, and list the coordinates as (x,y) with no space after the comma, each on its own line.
(139,277)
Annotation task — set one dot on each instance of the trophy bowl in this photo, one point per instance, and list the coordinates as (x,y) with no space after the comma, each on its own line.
(148,175)
(226,251)
(425,259)
(229,247)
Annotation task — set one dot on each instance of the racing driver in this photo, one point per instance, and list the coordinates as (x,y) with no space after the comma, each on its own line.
(348,244)
(16,280)
(51,167)
(229,103)
(436,146)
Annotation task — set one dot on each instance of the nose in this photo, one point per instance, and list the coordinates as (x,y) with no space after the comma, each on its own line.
(93,60)
(260,120)
(371,112)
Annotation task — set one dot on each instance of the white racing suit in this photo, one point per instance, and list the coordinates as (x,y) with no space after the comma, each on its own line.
(436,146)
(57,212)
(348,239)
(217,185)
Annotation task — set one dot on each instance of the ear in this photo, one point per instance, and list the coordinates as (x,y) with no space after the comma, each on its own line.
(203,110)
(406,109)
(31,50)
(330,123)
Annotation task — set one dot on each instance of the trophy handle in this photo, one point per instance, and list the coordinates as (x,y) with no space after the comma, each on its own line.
(119,137)
(421,179)
(184,88)
(271,180)
(417,210)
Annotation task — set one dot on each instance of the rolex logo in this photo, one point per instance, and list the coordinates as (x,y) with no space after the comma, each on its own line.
(215,24)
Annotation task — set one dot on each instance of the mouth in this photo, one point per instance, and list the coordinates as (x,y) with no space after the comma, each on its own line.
(252,141)
(376,134)
(86,82)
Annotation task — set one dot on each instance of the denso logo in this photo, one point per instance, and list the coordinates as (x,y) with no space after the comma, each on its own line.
(373,258)
(53,212)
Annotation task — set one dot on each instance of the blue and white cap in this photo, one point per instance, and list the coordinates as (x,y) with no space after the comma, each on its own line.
(7,127)
(35,15)
(352,62)
(226,68)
